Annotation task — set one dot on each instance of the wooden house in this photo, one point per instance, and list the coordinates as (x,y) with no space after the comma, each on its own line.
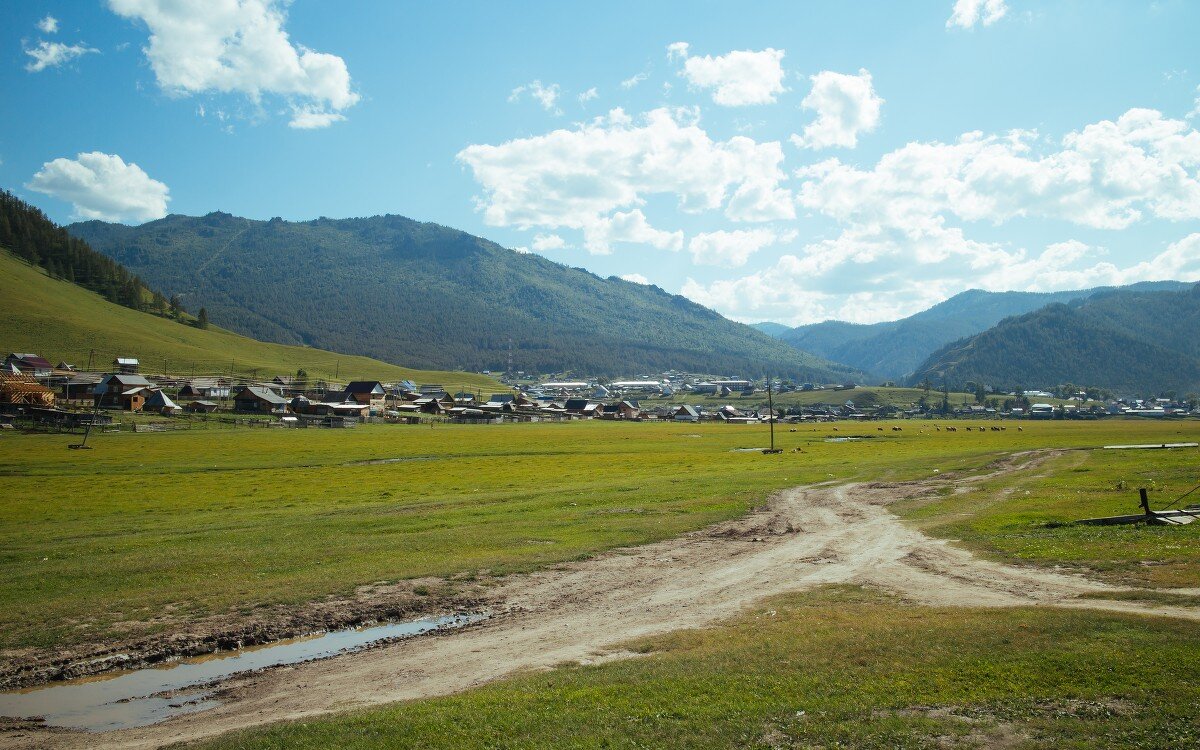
(368,392)
(111,391)
(29,364)
(22,390)
(258,400)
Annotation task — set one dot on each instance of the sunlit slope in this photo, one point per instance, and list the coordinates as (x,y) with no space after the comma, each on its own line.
(62,321)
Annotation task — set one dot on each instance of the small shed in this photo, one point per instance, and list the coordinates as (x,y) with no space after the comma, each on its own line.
(160,402)
(127,365)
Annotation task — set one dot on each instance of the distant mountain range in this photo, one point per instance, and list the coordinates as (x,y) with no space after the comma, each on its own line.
(1130,340)
(894,349)
(429,296)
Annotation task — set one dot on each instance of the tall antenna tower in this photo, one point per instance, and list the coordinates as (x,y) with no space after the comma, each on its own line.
(510,357)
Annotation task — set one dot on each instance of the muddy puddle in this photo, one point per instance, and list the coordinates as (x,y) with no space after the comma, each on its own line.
(147,696)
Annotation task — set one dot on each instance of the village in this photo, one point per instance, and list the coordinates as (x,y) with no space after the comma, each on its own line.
(34,391)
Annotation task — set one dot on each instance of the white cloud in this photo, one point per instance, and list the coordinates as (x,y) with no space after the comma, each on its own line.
(846,105)
(630,227)
(730,249)
(239,46)
(544,242)
(636,278)
(634,80)
(967,13)
(865,278)
(736,79)
(307,118)
(52,54)
(547,96)
(577,177)
(103,186)
(48,25)
(588,95)
(897,249)
(1108,175)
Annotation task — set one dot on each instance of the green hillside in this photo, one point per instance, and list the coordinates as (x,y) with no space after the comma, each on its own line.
(1131,342)
(406,291)
(894,349)
(62,321)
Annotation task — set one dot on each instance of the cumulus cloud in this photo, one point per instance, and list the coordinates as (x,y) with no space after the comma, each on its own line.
(897,248)
(53,54)
(846,105)
(547,96)
(576,178)
(48,25)
(1108,175)
(636,278)
(967,13)
(630,227)
(240,46)
(799,289)
(544,242)
(735,79)
(103,186)
(588,95)
(730,249)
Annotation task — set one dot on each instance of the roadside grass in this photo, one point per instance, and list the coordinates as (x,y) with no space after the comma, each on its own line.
(839,667)
(1026,517)
(150,530)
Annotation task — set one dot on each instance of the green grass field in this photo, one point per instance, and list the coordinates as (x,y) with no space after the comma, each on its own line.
(62,321)
(839,667)
(208,522)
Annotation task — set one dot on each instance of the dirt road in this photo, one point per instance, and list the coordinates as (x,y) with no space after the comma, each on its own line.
(803,538)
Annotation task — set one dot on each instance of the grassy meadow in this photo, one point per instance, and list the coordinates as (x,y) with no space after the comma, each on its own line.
(838,667)
(98,543)
(62,321)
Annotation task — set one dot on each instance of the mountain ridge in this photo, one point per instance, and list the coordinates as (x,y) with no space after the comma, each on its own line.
(894,349)
(436,297)
(1128,340)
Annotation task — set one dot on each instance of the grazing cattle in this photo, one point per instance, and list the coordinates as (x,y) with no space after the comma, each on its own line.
(1020,429)
(897,429)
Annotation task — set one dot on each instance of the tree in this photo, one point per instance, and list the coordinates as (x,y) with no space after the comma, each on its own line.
(202,318)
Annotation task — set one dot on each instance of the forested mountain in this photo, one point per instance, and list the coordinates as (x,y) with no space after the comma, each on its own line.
(774,330)
(28,234)
(895,348)
(430,296)
(1132,342)
(65,301)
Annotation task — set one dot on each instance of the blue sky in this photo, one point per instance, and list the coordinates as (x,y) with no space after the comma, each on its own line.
(786,161)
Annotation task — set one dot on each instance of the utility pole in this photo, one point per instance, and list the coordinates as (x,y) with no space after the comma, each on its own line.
(91,354)
(771,418)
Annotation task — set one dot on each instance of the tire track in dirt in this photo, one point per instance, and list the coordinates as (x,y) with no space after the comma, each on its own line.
(803,538)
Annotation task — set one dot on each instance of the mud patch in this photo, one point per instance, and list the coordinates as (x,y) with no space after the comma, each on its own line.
(147,696)
(369,605)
